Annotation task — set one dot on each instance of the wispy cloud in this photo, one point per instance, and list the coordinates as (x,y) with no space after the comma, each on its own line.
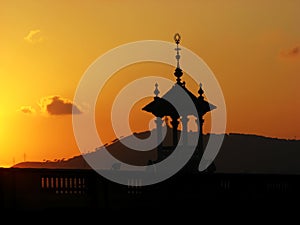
(56,105)
(26,109)
(34,36)
(293,52)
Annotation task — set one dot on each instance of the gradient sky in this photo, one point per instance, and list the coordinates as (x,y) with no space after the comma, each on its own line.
(253,48)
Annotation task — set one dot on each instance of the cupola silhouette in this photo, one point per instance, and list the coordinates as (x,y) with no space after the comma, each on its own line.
(162,109)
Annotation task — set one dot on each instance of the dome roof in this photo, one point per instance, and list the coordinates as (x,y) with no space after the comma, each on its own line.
(161,107)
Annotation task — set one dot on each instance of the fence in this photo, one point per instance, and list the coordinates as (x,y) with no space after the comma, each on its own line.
(42,189)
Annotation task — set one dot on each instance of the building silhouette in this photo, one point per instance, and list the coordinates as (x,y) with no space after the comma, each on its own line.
(161,108)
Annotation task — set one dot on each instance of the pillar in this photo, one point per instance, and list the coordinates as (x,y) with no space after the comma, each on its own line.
(200,130)
(184,121)
(159,122)
(174,124)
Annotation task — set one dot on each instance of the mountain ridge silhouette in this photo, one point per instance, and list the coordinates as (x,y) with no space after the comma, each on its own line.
(239,153)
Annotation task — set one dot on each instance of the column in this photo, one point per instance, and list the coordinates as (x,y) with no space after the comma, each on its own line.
(200,130)
(174,124)
(159,122)
(184,121)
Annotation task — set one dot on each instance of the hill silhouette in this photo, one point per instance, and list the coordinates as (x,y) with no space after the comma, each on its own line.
(240,153)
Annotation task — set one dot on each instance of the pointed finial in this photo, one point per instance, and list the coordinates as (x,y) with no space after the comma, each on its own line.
(177,39)
(200,92)
(156,91)
(178,72)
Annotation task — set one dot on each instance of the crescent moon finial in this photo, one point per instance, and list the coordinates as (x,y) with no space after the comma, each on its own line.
(177,38)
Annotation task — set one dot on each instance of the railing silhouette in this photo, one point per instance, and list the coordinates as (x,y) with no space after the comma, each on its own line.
(69,184)
(42,189)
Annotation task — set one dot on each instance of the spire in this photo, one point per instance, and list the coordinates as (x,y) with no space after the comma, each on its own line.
(177,39)
(178,72)
(156,91)
(201,92)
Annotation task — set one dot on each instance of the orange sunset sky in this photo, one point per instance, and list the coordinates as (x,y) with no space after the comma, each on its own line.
(253,48)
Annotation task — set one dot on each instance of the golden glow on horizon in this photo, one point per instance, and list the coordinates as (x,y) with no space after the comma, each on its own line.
(45,47)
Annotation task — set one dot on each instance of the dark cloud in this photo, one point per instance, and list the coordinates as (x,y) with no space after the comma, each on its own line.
(291,53)
(26,109)
(56,105)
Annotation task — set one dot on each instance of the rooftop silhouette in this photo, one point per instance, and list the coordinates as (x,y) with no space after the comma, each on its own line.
(177,99)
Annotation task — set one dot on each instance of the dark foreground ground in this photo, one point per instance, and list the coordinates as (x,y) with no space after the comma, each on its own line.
(62,193)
